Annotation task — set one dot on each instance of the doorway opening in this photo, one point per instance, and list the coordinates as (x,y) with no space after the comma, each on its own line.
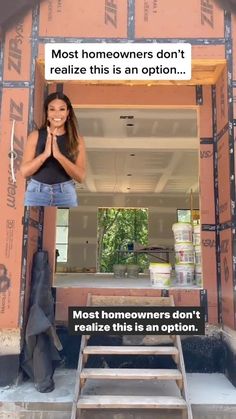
(137,158)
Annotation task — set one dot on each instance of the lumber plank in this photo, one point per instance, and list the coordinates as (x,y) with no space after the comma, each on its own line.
(131,350)
(125,402)
(131,374)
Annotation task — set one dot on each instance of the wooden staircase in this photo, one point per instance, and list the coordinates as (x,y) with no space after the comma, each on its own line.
(83,401)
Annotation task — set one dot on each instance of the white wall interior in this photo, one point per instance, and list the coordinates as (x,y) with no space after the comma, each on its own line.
(135,158)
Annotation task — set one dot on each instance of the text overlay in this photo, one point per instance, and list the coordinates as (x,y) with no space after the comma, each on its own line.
(118,61)
(137,320)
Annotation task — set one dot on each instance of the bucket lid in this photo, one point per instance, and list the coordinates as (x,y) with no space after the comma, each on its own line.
(179,226)
(159,265)
(187,265)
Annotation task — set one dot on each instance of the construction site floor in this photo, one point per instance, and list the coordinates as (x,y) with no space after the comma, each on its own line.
(103,280)
(212,396)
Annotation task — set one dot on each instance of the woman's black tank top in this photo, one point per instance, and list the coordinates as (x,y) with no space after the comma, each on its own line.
(51,170)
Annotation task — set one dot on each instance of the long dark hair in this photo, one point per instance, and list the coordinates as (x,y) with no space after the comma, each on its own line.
(71,124)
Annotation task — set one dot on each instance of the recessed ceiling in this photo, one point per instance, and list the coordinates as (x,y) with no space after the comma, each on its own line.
(140,150)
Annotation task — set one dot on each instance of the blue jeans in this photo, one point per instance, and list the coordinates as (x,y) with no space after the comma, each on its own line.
(40,194)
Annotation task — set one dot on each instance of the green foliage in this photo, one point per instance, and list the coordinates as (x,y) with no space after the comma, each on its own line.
(116,229)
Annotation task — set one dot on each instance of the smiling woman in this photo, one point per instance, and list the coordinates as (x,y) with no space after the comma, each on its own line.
(54,156)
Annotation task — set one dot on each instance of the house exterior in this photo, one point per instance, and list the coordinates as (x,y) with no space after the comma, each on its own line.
(211,32)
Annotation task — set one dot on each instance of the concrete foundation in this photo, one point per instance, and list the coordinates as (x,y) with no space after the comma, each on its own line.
(212,397)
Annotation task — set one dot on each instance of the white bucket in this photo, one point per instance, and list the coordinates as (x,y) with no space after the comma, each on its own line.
(182,232)
(197,235)
(184,274)
(198,255)
(198,275)
(184,253)
(160,274)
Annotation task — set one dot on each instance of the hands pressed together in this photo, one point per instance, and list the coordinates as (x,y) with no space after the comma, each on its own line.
(51,147)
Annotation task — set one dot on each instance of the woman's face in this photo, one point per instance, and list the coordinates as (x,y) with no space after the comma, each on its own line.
(57,114)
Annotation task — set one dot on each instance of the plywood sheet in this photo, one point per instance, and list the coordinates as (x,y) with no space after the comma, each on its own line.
(15,106)
(224,179)
(227,289)
(17,50)
(178,19)
(83,19)
(206,179)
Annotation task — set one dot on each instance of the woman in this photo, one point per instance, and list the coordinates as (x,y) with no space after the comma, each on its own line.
(54,156)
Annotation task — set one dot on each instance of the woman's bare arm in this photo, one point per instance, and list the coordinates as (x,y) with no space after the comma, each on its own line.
(31,164)
(76,170)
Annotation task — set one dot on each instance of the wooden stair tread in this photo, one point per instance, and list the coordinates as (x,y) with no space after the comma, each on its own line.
(131,350)
(122,402)
(131,373)
(127,300)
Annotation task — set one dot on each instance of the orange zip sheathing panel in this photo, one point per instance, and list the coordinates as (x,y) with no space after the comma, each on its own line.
(178,19)
(84,19)
(38,96)
(224,179)
(49,236)
(206,164)
(222,101)
(234,101)
(205,112)
(206,180)
(233,20)
(208,244)
(228,310)
(17,50)
(15,107)
(128,95)
(210,52)
(31,248)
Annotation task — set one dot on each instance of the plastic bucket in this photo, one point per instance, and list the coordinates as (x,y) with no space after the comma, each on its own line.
(184,253)
(198,255)
(160,274)
(198,275)
(132,271)
(184,274)
(182,232)
(197,235)
(119,271)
